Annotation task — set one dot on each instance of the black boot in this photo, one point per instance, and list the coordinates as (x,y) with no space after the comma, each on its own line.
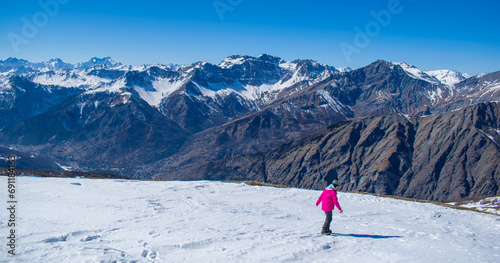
(326,232)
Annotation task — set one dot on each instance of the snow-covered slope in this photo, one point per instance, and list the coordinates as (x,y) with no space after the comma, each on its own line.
(81,220)
(445,76)
(416,73)
(442,87)
(344,69)
(448,77)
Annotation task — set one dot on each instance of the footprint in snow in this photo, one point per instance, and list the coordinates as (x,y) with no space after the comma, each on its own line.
(71,235)
(56,239)
(154,233)
(149,254)
(89,238)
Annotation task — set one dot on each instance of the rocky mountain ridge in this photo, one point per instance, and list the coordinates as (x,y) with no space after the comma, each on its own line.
(443,157)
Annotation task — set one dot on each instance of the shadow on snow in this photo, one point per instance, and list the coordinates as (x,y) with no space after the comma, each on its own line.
(365,236)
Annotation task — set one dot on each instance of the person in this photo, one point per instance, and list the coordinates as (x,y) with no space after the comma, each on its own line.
(329,199)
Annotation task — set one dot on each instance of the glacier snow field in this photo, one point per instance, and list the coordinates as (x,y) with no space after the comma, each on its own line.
(84,220)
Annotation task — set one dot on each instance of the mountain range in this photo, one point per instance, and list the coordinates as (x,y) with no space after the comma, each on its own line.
(390,127)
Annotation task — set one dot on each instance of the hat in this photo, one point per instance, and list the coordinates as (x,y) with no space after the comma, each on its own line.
(335,182)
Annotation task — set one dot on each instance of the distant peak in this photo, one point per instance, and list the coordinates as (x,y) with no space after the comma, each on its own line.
(233,60)
(12,60)
(345,69)
(240,59)
(95,61)
(381,62)
(102,60)
(448,76)
(403,64)
(240,56)
(269,58)
(58,60)
(306,61)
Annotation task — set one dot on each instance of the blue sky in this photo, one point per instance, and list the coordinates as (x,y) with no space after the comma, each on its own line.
(461,35)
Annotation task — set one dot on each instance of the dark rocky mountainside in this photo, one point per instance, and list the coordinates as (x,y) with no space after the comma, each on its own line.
(27,99)
(119,131)
(444,157)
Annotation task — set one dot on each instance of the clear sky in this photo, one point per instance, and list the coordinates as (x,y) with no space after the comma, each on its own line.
(460,35)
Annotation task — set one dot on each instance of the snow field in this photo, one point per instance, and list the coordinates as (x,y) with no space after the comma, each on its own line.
(82,220)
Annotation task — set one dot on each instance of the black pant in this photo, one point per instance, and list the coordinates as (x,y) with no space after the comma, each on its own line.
(328,220)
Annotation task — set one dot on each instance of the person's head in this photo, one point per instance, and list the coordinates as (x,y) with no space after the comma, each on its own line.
(335,182)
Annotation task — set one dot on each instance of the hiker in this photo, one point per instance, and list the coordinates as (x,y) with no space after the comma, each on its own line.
(329,199)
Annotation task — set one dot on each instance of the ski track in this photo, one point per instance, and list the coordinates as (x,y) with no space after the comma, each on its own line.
(142,221)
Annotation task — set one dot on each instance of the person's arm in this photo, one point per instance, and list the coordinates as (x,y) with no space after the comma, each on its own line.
(336,202)
(319,199)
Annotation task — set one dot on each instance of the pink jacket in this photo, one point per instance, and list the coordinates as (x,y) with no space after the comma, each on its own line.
(329,199)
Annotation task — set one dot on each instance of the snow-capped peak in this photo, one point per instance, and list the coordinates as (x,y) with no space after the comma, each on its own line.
(107,62)
(14,62)
(414,72)
(448,77)
(238,60)
(232,60)
(444,76)
(271,59)
(344,69)
(57,63)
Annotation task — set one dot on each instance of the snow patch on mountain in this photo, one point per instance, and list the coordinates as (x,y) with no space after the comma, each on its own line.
(435,95)
(334,104)
(407,117)
(4,84)
(416,73)
(344,69)
(116,86)
(288,66)
(448,77)
(124,99)
(69,79)
(484,90)
(248,92)
(491,86)
(444,76)
(162,87)
(267,92)
(231,61)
